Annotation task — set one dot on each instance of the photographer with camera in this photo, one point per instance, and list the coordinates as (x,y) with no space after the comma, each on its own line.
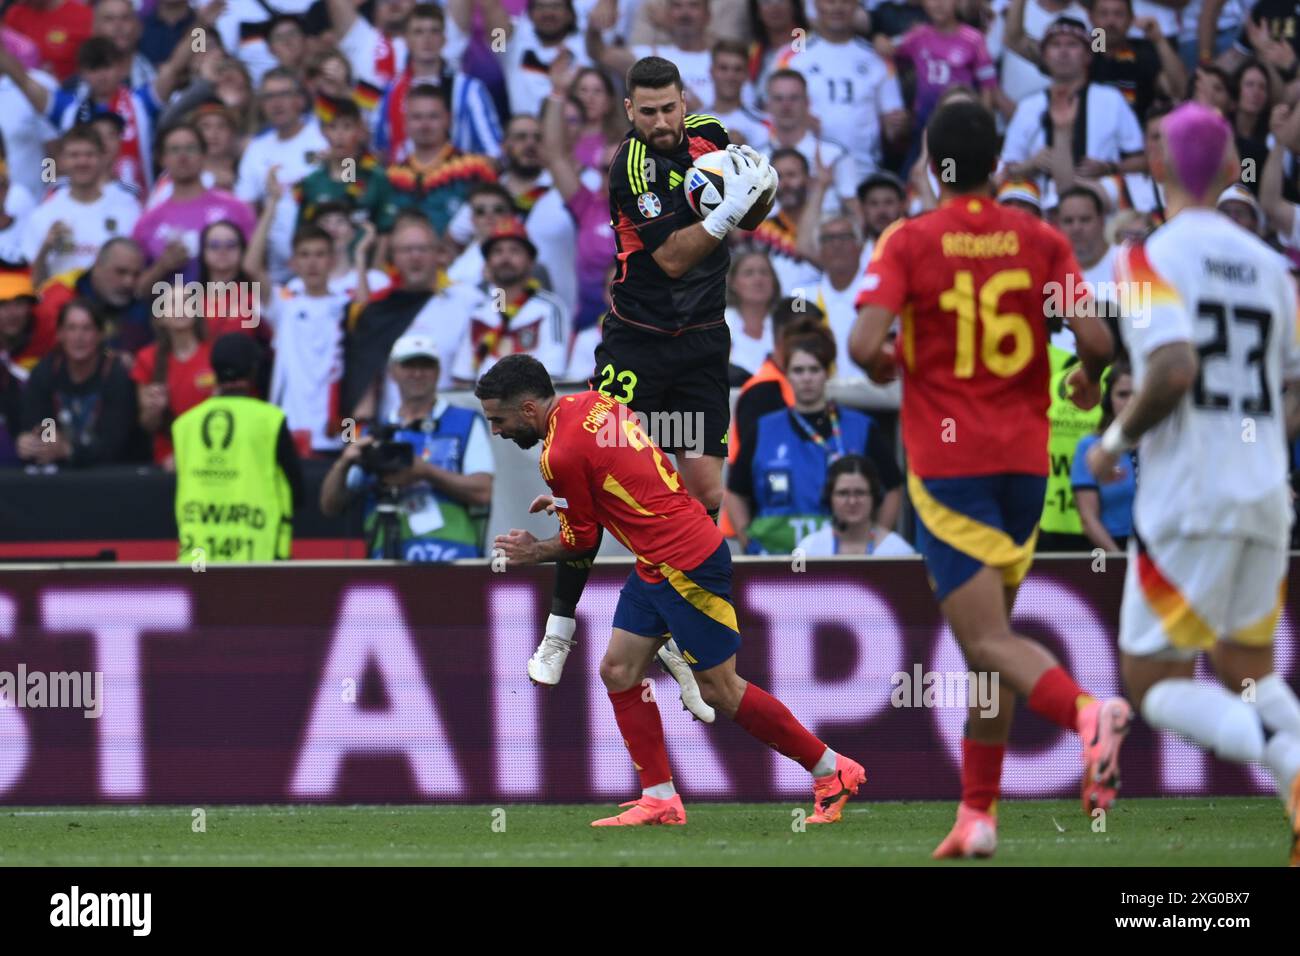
(425,473)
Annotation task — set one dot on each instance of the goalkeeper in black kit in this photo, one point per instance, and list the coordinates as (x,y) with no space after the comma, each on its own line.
(665,343)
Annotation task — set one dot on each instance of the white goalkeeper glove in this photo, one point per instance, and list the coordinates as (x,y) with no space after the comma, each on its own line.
(741,187)
(755,157)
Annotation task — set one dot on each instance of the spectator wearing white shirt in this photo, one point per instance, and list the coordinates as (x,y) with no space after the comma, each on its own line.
(883,198)
(242,26)
(1021,76)
(688,49)
(24,131)
(752,291)
(490,205)
(66,230)
(851,90)
(731,90)
(771,25)
(376,51)
(335,217)
(16,204)
(308,324)
(100,87)
(518,315)
(853,496)
(293,146)
(839,254)
(1074,128)
(792,128)
(778,235)
(1081,215)
(536,200)
(534,43)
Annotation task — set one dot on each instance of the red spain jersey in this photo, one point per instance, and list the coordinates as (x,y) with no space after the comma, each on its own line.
(973,282)
(604,470)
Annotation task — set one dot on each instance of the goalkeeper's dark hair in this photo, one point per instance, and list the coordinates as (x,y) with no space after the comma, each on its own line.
(962,138)
(654,73)
(515,378)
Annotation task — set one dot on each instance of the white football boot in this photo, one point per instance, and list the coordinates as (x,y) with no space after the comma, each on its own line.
(547,663)
(671,660)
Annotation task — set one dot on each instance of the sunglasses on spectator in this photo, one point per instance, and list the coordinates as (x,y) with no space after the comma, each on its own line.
(221,245)
(488,210)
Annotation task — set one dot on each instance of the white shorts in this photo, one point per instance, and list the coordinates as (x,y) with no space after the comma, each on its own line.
(1184,594)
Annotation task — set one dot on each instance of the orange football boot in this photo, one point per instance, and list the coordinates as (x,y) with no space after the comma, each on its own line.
(1102,725)
(832,791)
(648,811)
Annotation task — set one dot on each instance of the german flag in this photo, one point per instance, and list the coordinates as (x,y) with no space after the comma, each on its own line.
(325,107)
(367,96)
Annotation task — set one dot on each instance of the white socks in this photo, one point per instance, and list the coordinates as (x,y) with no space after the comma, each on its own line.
(1208,715)
(1277,705)
(660,791)
(564,627)
(1283,758)
(826,765)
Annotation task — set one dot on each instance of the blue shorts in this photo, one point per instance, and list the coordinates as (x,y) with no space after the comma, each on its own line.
(964,524)
(693,606)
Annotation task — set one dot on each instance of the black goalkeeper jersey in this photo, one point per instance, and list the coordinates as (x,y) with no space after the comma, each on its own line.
(646,206)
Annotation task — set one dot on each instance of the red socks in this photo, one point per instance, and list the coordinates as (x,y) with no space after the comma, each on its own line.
(770,721)
(981,774)
(643,732)
(1057,697)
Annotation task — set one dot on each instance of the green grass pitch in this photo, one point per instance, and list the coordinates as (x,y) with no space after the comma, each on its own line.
(1165,832)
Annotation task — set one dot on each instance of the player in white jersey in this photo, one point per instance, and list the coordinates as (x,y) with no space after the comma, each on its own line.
(1210,321)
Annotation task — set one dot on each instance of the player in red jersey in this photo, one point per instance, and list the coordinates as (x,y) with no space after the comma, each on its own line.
(973,282)
(604,471)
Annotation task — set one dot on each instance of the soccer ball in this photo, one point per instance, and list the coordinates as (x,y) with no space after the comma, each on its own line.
(703,188)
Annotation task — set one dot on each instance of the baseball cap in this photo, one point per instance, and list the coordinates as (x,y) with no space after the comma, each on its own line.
(511,229)
(235,356)
(413,346)
(1024,191)
(1239,193)
(1070,27)
(16,284)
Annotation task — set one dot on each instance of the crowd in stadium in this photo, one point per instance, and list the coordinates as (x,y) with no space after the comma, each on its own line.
(386,197)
